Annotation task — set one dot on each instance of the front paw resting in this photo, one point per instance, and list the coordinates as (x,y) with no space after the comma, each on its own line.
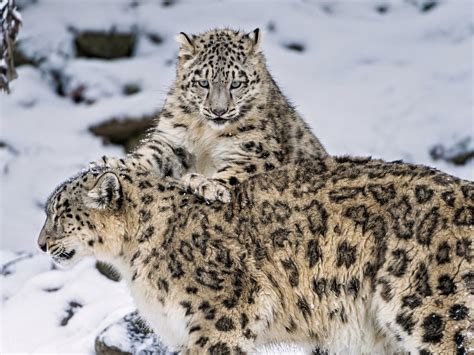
(113,163)
(206,188)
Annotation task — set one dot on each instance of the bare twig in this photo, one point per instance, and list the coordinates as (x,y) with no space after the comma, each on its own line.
(10,21)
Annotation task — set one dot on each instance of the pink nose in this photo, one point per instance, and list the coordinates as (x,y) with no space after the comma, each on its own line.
(219,111)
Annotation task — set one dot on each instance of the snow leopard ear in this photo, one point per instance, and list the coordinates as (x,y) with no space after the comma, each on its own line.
(106,193)
(256,39)
(187,43)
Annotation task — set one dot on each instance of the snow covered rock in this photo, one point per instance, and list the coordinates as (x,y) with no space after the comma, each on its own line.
(459,153)
(128,336)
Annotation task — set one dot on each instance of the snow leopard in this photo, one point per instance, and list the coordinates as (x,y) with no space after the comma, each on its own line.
(224,118)
(352,255)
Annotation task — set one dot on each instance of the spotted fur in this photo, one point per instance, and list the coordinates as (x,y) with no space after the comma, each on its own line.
(255,129)
(342,253)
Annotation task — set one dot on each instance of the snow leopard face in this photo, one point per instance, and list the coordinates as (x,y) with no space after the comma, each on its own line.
(219,75)
(74,212)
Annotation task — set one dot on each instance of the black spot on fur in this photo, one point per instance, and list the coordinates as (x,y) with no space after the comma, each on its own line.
(225,324)
(459,340)
(411,301)
(194,329)
(317,217)
(280,238)
(353,287)
(249,334)
(244,320)
(458,312)
(208,311)
(423,193)
(303,306)
(386,293)
(469,282)
(147,234)
(345,193)
(427,227)
(147,199)
(144,184)
(422,281)
(382,193)
(188,306)
(359,215)
(442,255)
(163,285)
(433,327)
(403,220)
(292,270)
(346,254)
(191,290)
(313,252)
(233,181)
(464,216)
(335,287)
(406,321)
(175,267)
(448,198)
(209,278)
(186,250)
(319,286)
(446,285)
(202,341)
(399,263)
(291,327)
(463,248)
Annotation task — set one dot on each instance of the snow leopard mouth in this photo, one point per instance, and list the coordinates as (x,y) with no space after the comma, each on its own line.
(63,255)
(219,121)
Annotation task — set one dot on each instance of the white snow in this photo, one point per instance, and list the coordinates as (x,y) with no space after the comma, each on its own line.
(391,86)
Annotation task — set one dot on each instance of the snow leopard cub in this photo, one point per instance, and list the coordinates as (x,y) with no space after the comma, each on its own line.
(224,119)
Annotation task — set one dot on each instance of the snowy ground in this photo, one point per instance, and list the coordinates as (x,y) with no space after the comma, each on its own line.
(389,85)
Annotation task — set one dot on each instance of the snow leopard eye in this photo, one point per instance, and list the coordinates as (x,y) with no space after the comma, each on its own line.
(204,83)
(235,84)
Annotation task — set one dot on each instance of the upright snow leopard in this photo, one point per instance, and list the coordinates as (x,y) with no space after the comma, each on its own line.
(224,118)
(354,255)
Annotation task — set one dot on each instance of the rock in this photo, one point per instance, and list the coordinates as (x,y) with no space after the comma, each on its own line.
(155,38)
(459,153)
(108,271)
(295,46)
(426,5)
(126,133)
(70,311)
(131,89)
(104,45)
(129,336)
(382,8)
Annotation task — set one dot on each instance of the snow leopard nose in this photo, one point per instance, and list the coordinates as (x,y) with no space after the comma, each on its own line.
(219,111)
(42,246)
(42,240)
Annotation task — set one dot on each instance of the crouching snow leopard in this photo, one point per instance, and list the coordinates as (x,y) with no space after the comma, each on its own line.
(348,254)
(224,119)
